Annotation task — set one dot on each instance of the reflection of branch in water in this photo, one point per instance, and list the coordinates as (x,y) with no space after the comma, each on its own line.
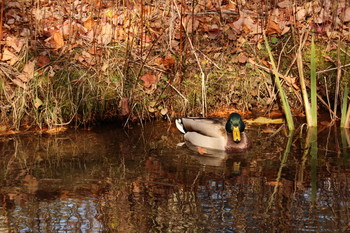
(283,163)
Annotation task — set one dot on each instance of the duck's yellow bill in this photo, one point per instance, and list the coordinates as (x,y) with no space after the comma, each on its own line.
(236,134)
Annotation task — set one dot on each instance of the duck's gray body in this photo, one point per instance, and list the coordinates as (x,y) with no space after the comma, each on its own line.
(210,133)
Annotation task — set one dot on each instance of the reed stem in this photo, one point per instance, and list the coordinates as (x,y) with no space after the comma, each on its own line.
(283,96)
(344,107)
(313,84)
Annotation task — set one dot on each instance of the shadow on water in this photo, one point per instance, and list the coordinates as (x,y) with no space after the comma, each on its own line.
(139,180)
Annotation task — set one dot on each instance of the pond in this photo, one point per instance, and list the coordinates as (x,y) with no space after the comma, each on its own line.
(111,179)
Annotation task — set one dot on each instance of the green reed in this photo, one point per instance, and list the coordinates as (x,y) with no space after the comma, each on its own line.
(285,104)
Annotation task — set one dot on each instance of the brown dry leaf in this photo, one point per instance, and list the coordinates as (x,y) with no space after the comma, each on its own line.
(104,66)
(167,62)
(190,24)
(249,26)
(346,16)
(43,60)
(272,27)
(242,58)
(19,83)
(89,23)
(148,80)
(57,41)
(29,68)
(90,36)
(265,120)
(124,105)
(268,130)
(15,43)
(10,57)
(147,39)
(56,130)
(274,183)
(285,4)
(88,58)
(23,78)
(231,6)
(164,111)
(202,150)
(27,73)
(38,13)
(300,15)
(237,25)
(106,34)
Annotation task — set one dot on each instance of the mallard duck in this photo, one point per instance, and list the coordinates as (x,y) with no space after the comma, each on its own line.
(215,133)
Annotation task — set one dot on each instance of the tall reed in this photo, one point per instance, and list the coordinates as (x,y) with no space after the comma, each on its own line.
(310,110)
(285,104)
(313,83)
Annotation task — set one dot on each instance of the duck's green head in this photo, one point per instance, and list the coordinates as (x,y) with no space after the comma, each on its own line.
(235,125)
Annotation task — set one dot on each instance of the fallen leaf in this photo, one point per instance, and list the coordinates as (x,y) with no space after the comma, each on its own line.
(300,15)
(346,15)
(37,103)
(88,23)
(268,130)
(265,120)
(15,43)
(56,40)
(164,111)
(285,4)
(168,61)
(272,27)
(191,24)
(274,183)
(106,34)
(148,80)
(29,68)
(19,83)
(56,130)
(237,25)
(124,104)
(242,58)
(231,6)
(23,78)
(151,109)
(10,57)
(43,60)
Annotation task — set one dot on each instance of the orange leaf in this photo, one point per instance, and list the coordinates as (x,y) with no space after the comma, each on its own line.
(88,24)
(272,27)
(167,62)
(148,80)
(58,41)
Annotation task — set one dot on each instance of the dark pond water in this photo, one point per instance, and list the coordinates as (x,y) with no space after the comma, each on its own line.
(138,180)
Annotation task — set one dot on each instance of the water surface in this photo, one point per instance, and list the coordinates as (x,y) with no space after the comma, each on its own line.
(138,180)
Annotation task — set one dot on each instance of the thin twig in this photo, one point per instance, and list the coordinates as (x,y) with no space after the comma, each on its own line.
(178,92)
(198,62)
(331,69)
